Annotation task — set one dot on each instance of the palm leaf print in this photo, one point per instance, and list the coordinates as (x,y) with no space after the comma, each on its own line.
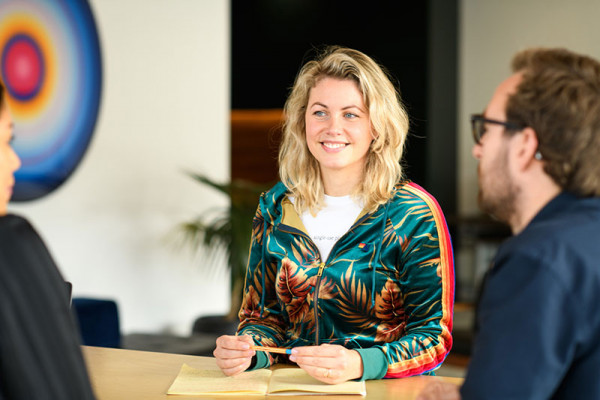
(250,307)
(354,300)
(294,291)
(389,309)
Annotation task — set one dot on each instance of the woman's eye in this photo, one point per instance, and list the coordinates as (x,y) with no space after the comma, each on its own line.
(350,115)
(319,113)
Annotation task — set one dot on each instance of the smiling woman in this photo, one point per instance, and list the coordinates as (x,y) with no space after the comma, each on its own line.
(338,133)
(350,264)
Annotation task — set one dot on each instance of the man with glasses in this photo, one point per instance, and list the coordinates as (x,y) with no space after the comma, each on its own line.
(538,147)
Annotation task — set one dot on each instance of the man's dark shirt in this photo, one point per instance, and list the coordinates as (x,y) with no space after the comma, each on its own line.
(539,316)
(40,354)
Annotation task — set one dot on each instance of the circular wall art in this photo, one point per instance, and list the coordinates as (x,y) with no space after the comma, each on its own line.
(51,67)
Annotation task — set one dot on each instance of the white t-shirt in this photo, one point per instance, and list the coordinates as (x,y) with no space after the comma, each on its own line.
(331,222)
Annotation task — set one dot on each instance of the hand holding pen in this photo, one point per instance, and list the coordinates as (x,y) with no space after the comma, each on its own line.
(234,353)
(329,363)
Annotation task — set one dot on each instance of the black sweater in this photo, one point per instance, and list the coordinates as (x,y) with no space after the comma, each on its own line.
(40,353)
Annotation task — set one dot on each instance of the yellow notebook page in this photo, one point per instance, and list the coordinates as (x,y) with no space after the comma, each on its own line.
(297,381)
(214,382)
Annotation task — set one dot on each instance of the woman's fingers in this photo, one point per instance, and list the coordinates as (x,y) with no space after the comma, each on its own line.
(233,346)
(326,355)
(329,375)
(233,353)
(328,363)
(235,366)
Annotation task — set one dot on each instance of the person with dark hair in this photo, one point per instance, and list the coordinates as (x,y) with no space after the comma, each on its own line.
(538,147)
(350,263)
(40,353)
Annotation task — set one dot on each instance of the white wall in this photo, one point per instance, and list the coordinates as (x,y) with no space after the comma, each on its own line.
(164,108)
(490,33)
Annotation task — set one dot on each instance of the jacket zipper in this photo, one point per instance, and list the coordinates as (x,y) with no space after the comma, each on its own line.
(319,274)
(321,267)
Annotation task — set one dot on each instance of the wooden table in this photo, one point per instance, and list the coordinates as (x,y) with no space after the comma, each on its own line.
(130,375)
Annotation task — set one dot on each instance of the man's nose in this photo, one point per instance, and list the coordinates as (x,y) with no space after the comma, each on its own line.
(476,151)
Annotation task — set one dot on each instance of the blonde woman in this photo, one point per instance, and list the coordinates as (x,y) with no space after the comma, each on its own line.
(350,264)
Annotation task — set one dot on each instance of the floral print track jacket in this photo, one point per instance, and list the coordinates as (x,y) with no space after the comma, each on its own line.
(386,289)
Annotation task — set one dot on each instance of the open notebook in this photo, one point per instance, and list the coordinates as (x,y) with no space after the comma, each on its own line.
(282,381)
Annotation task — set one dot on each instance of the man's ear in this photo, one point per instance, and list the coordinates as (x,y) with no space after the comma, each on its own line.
(527,146)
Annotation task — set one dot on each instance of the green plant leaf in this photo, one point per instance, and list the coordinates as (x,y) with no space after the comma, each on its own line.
(225,229)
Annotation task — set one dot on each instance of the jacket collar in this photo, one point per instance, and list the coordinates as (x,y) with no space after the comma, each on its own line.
(554,206)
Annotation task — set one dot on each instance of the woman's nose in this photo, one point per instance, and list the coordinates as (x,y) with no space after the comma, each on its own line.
(335,125)
(16,161)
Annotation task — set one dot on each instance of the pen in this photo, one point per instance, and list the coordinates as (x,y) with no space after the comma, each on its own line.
(279,350)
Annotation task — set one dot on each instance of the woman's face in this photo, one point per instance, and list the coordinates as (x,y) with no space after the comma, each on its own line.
(9,161)
(338,127)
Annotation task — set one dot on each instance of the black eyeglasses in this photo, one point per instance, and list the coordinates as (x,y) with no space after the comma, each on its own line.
(478,122)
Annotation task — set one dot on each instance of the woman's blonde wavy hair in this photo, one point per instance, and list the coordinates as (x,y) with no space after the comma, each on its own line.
(299,170)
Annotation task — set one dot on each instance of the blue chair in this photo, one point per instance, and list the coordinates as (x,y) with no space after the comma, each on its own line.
(98,322)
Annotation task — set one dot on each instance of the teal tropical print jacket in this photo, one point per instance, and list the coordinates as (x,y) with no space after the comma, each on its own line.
(385,290)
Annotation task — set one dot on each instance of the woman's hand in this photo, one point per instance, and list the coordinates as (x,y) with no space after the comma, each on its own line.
(233,353)
(328,363)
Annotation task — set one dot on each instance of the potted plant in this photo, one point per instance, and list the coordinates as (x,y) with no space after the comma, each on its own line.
(227,230)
